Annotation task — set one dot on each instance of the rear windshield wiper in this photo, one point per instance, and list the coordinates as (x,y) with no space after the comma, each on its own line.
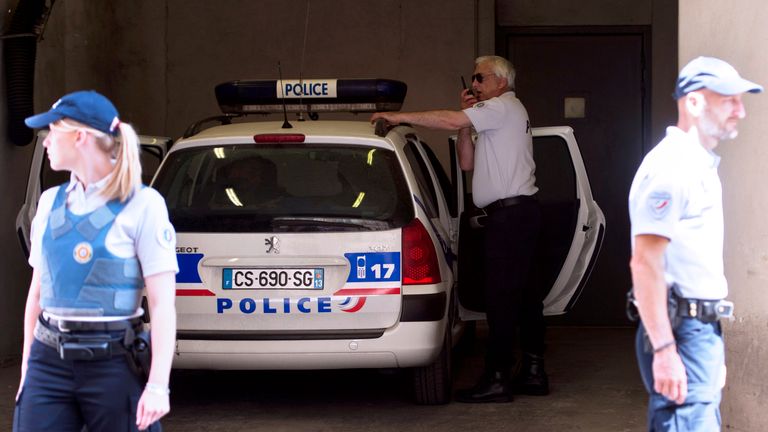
(323,223)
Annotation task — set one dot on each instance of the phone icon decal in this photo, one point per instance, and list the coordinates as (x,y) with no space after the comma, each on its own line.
(361,267)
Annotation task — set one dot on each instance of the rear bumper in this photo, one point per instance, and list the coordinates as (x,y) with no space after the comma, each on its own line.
(407,344)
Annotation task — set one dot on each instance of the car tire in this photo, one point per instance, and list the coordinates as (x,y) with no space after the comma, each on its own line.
(433,383)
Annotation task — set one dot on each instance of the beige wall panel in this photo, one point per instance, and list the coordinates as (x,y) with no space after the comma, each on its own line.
(427,44)
(736,32)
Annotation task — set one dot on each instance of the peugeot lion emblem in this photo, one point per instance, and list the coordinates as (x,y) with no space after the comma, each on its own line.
(273,244)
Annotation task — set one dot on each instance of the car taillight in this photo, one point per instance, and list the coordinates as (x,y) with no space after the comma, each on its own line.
(278,138)
(419,256)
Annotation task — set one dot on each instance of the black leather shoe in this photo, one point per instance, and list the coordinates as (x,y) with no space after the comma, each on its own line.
(492,387)
(532,379)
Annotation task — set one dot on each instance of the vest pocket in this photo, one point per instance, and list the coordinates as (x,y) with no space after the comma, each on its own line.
(115,272)
(127,299)
(113,301)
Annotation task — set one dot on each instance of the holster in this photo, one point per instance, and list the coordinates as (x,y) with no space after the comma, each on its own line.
(631,306)
(634,315)
(140,354)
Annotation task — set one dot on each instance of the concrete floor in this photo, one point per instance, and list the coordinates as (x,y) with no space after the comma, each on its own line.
(594,380)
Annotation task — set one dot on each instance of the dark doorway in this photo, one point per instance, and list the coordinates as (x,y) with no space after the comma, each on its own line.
(594,80)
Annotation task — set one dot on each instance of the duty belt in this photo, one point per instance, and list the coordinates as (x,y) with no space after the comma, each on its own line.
(509,202)
(102,339)
(91,326)
(704,310)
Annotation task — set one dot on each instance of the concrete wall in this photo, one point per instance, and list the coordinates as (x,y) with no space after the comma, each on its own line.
(735,31)
(159,60)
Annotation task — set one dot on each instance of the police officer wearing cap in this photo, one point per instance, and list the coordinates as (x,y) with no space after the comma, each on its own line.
(503,185)
(97,241)
(675,206)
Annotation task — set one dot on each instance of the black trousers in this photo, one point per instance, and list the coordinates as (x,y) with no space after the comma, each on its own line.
(512,299)
(63,396)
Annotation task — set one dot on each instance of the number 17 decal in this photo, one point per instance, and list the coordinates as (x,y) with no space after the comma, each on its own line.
(374,267)
(388,270)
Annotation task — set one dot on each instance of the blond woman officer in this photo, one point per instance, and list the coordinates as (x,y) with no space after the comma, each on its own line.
(97,241)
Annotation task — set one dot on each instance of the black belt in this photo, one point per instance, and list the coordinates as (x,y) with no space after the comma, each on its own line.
(90,326)
(509,202)
(704,310)
(91,341)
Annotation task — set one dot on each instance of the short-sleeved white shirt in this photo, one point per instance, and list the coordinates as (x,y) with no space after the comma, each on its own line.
(504,165)
(677,194)
(140,230)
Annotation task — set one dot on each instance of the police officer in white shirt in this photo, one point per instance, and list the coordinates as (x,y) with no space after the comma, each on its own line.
(675,206)
(98,241)
(505,186)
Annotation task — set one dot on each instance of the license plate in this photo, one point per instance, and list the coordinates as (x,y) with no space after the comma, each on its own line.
(272,278)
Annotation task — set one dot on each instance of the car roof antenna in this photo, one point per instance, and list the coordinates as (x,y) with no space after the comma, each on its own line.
(301,66)
(286,125)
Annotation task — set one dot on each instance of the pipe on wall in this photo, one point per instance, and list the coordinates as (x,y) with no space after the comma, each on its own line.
(19,53)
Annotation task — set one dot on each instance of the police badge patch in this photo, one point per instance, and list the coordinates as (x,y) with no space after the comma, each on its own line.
(659,203)
(166,236)
(83,252)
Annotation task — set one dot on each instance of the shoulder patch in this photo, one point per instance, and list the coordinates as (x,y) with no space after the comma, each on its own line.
(479,105)
(166,236)
(659,203)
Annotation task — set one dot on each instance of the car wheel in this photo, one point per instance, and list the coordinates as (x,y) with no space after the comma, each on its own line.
(433,383)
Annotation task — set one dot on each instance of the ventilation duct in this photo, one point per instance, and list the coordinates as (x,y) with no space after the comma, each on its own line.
(19,53)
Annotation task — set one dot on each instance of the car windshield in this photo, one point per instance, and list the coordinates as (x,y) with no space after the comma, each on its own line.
(284,188)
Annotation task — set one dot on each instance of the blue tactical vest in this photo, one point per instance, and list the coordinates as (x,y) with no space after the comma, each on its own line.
(79,276)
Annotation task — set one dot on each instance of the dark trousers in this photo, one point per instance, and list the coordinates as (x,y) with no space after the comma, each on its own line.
(512,299)
(63,396)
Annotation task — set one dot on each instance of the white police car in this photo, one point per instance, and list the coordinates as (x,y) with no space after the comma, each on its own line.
(333,244)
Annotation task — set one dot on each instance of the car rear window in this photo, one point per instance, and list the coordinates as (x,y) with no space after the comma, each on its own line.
(284,188)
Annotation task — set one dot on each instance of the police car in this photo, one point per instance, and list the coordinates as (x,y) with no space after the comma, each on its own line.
(335,244)
(339,244)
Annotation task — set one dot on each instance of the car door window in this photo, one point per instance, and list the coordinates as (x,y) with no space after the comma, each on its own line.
(442,178)
(150,157)
(150,161)
(555,175)
(556,180)
(423,179)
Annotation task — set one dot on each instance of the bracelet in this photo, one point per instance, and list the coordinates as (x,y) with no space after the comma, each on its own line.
(157,389)
(663,346)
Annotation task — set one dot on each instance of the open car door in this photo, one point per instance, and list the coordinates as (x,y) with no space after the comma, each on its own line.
(41,177)
(573,227)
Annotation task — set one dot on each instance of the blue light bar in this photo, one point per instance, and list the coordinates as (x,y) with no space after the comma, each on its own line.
(310,95)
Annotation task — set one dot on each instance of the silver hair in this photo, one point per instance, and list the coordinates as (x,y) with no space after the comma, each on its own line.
(501,67)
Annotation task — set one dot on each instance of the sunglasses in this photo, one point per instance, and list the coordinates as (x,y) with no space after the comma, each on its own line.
(479,77)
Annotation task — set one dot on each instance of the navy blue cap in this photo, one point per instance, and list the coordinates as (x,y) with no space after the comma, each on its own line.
(713,74)
(87,107)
